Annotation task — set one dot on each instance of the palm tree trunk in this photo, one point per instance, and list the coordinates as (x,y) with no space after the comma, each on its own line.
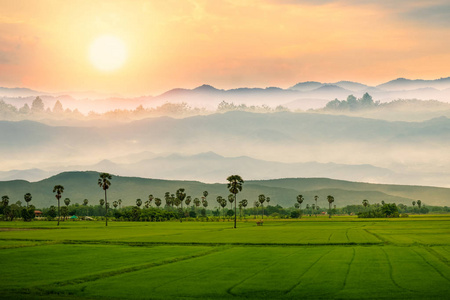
(181,219)
(106,207)
(59,215)
(234,210)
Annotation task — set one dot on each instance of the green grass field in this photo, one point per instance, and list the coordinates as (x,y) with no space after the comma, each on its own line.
(312,258)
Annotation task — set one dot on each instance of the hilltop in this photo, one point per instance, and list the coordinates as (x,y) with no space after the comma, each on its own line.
(81,185)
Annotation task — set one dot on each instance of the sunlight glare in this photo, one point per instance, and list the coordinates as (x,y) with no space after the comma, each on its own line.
(107,53)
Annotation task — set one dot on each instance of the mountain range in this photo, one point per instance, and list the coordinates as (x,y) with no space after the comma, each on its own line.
(303,95)
(260,146)
(83,185)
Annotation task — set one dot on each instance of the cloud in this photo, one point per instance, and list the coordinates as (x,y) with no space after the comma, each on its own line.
(438,15)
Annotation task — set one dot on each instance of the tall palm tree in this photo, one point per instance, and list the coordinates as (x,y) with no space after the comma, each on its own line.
(300,200)
(267,200)
(150,199)
(5,200)
(120,203)
(315,199)
(256,204)
(244,205)
(330,200)
(235,183)
(138,203)
(180,198)
(67,202)
(197,204)
(240,209)
(414,203)
(85,203)
(115,204)
(231,199)
(102,202)
(205,194)
(104,182)
(223,203)
(158,202)
(365,203)
(58,189)
(262,199)
(419,203)
(27,197)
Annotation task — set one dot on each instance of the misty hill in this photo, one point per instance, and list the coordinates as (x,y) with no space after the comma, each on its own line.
(19,92)
(83,185)
(402,147)
(408,84)
(191,167)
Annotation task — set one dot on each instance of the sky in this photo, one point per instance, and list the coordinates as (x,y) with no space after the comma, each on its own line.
(45,45)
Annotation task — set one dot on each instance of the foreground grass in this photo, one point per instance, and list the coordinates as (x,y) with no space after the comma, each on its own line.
(342,258)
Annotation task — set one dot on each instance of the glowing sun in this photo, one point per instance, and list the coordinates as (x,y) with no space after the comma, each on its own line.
(108,53)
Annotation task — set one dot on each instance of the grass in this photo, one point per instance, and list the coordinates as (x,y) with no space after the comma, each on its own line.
(341,258)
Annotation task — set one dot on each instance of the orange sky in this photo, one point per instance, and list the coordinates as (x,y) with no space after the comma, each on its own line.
(44,44)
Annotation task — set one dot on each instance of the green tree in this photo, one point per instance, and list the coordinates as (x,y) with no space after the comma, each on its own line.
(67,202)
(256,204)
(315,199)
(158,202)
(101,202)
(181,195)
(58,189)
(85,203)
(104,182)
(150,199)
(235,183)
(27,197)
(222,203)
(197,204)
(262,199)
(300,200)
(120,203)
(419,203)
(365,203)
(244,205)
(5,200)
(231,200)
(138,203)
(64,212)
(115,204)
(330,200)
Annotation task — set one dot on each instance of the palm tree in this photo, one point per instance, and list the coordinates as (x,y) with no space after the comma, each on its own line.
(158,202)
(240,209)
(180,198)
(104,182)
(205,194)
(120,203)
(244,204)
(5,200)
(138,203)
(102,202)
(85,203)
(223,203)
(315,199)
(256,204)
(188,201)
(235,186)
(414,203)
(150,199)
(262,199)
(419,203)
(300,200)
(330,200)
(204,203)
(197,204)
(67,202)
(27,197)
(147,204)
(58,189)
(365,203)
(115,204)
(231,199)
(267,200)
